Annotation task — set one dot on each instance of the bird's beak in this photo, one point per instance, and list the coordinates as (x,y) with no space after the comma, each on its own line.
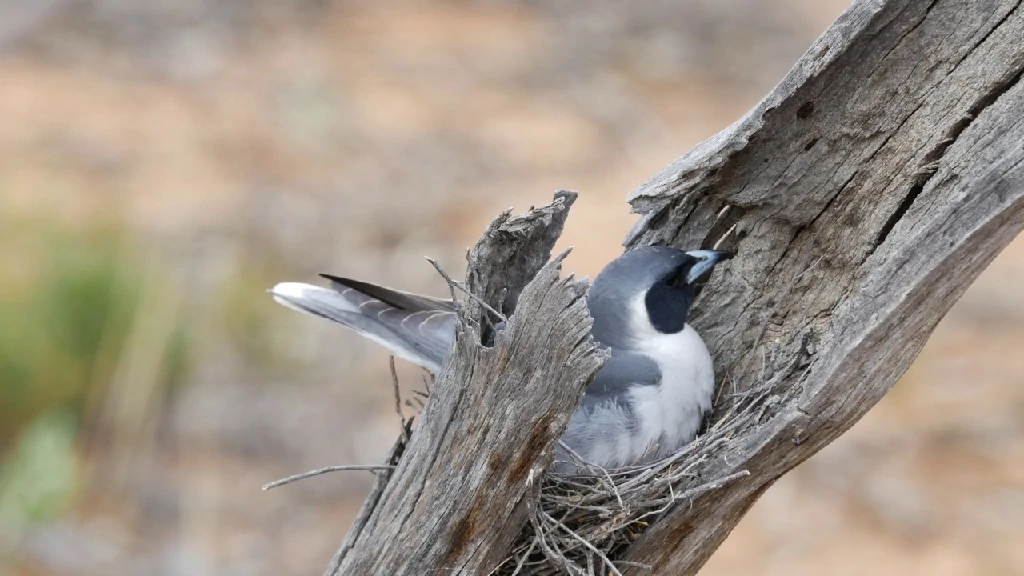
(706,260)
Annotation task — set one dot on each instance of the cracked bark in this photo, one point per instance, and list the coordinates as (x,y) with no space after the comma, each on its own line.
(863,195)
(892,158)
(456,498)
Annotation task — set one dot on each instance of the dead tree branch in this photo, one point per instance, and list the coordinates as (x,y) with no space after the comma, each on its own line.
(457,498)
(893,152)
(863,194)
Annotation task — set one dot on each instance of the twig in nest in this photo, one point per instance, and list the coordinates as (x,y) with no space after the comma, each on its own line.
(580,460)
(452,285)
(524,557)
(587,545)
(311,473)
(398,396)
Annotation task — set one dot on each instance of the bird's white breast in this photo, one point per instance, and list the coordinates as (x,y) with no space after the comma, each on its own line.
(670,414)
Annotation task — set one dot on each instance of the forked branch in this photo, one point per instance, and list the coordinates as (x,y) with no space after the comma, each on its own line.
(863,194)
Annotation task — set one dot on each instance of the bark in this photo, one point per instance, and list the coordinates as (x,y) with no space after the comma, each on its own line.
(863,194)
(458,495)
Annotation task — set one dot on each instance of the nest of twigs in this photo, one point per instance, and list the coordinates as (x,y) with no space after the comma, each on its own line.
(581,524)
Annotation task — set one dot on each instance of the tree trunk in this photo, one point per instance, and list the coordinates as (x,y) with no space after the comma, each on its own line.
(863,195)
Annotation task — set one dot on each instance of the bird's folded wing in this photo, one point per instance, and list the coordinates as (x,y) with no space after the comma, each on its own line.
(603,427)
(417,328)
(621,372)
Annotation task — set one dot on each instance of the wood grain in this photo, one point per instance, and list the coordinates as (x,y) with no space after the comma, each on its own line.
(863,195)
(455,501)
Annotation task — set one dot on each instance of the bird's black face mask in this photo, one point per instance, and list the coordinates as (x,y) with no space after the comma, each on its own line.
(668,301)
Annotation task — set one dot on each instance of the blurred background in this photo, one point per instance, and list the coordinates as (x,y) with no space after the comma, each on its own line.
(163,162)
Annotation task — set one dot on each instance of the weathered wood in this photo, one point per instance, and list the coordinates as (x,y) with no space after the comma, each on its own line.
(863,195)
(891,159)
(456,500)
(508,256)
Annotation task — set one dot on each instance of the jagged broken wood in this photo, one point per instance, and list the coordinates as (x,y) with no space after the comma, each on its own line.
(864,194)
(457,496)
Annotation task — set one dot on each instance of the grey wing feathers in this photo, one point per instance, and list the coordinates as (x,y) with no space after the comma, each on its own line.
(601,429)
(622,371)
(417,328)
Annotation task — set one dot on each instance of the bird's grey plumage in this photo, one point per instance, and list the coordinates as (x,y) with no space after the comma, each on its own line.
(613,321)
(417,328)
(395,298)
(647,400)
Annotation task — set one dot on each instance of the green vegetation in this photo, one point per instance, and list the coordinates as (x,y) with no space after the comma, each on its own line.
(70,310)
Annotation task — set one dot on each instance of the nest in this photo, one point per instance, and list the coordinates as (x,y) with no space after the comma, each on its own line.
(581,523)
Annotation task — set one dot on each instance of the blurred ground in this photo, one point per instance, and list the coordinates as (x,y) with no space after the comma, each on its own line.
(162,163)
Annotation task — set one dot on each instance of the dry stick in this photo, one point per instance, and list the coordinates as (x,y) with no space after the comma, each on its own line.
(583,541)
(718,243)
(539,537)
(569,567)
(398,397)
(452,284)
(524,557)
(604,472)
(311,473)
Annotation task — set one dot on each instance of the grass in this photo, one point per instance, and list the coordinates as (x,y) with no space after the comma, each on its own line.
(71,304)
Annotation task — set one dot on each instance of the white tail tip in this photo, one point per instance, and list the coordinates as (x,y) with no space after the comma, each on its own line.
(288,293)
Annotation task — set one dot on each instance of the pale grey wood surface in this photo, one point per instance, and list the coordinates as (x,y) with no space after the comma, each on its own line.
(863,195)
(455,501)
(867,192)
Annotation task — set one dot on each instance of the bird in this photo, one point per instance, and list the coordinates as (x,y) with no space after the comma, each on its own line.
(646,402)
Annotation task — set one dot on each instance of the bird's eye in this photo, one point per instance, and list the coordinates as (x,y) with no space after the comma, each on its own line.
(676,278)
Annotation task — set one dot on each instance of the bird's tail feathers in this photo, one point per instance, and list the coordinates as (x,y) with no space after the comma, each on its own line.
(420,336)
(312,300)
